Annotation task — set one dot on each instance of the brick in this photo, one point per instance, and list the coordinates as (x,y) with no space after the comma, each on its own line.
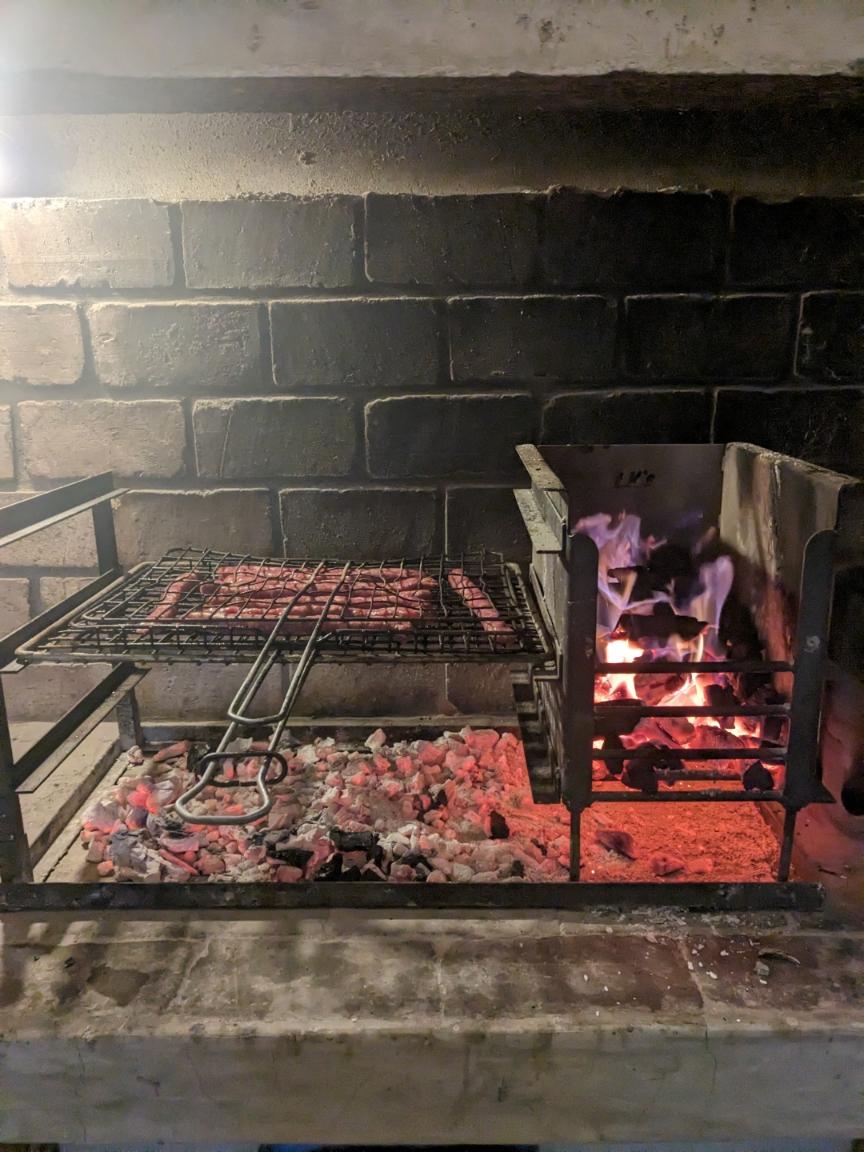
(7,458)
(479,518)
(86,244)
(231,520)
(41,344)
(823,426)
(14,603)
(628,418)
(69,544)
(804,242)
(455,241)
(360,524)
(359,343)
(300,436)
(374,690)
(480,688)
(53,589)
(831,336)
(60,439)
(530,338)
(188,693)
(179,346)
(709,338)
(447,436)
(47,691)
(286,243)
(635,239)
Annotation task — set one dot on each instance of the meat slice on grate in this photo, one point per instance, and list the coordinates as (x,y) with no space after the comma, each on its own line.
(389,598)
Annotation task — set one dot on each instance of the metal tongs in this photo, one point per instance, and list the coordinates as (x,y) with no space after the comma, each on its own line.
(208,767)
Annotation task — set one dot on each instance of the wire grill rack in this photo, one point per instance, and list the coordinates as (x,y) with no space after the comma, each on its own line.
(167,612)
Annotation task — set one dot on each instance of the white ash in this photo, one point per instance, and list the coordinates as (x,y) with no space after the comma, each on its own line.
(454,810)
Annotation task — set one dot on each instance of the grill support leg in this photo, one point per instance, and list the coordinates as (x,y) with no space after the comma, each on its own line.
(14,849)
(785,864)
(128,719)
(577,721)
(575,843)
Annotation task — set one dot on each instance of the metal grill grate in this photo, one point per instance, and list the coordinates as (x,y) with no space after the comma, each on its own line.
(186,607)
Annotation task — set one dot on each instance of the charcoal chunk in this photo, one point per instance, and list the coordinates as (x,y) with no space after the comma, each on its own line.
(662,623)
(721,696)
(416,859)
(296,857)
(499,829)
(352,874)
(354,841)
(622,717)
(640,773)
(331,869)
(517,868)
(757,778)
(610,744)
(852,793)
(439,796)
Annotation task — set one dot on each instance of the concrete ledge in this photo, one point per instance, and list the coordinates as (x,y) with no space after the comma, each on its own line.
(359,1029)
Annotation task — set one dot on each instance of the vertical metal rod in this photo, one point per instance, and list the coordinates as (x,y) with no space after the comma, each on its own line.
(128,719)
(785,864)
(106,540)
(811,643)
(575,843)
(577,719)
(14,850)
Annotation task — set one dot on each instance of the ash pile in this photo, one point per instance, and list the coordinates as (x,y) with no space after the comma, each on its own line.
(456,809)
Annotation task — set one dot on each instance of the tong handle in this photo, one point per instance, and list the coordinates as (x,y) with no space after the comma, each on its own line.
(209,765)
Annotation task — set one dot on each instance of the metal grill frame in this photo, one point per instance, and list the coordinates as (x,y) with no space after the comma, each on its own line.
(572,560)
(118,625)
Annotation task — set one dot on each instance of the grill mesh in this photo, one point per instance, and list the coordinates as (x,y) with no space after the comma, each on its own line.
(120,623)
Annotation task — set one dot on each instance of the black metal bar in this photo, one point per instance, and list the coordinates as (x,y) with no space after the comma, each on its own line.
(671,796)
(786,843)
(772,755)
(106,539)
(625,712)
(576,842)
(697,666)
(96,899)
(78,716)
(578,686)
(15,862)
(10,643)
(811,644)
(20,520)
(128,716)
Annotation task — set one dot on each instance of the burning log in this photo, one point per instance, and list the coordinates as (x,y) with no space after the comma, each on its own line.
(656,628)
(655,687)
(757,778)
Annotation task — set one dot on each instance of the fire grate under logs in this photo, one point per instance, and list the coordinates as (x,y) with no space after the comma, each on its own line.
(636,694)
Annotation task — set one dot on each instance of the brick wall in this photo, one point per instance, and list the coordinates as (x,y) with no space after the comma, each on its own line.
(351,375)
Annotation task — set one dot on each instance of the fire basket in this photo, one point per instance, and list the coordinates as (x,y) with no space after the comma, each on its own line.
(613,516)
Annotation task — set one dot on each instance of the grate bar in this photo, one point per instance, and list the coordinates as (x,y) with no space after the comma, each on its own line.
(200,604)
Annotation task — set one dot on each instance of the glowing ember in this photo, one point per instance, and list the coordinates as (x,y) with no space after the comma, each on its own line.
(660,600)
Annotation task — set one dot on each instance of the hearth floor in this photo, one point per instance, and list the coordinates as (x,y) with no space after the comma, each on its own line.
(723,842)
(373,1028)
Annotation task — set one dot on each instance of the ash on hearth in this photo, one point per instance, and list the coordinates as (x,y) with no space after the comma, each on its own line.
(456,809)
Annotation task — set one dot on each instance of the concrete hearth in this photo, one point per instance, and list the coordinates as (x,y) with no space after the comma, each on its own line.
(352,1028)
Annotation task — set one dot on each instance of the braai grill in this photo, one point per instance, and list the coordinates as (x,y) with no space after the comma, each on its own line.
(784,522)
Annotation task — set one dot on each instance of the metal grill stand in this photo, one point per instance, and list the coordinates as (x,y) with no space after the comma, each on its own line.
(564,577)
